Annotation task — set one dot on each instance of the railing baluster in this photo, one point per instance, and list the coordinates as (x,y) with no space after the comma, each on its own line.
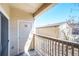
(58,48)
(38,45)
(66,50)
(49,45)
(41,46)
(45,47)
(55,48)
(78,51)
(72,51)
(62,48)
(48,48)
(52,48)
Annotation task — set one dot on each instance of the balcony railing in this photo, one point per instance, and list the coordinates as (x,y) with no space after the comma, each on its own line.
(55,47)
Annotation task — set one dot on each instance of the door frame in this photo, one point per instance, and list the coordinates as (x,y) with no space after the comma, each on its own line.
(18,21)
(7,16)
(1,10)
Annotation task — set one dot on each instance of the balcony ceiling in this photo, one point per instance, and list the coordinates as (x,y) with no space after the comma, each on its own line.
(28,7)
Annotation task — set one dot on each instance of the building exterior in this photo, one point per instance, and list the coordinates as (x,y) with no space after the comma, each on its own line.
(69,31)
(60,36)
(51,30)
(63,30)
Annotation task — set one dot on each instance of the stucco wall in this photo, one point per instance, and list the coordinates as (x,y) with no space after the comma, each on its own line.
(49,31)
(16,14)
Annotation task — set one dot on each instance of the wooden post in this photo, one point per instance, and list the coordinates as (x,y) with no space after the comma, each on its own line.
(58,48)
(52,48)
(48,48)
(72,51)
(66,50)
(62,48)
(55,48)
(78,51)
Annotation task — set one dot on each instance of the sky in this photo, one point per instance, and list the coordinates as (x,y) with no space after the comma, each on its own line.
(59,13)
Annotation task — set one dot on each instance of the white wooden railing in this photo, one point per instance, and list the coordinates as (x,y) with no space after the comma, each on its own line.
(55,47)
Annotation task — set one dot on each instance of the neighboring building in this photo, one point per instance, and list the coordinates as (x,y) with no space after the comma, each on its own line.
(63,30)
(69,31)
(51,30)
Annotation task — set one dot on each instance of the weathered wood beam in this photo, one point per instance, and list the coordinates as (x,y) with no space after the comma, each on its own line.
(45,5)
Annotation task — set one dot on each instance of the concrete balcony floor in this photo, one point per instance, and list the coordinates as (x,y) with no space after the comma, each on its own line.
(31,53)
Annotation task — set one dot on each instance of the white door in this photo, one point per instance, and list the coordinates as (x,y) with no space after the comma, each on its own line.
(24,28)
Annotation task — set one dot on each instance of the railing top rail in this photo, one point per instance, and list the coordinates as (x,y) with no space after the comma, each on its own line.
(75,44)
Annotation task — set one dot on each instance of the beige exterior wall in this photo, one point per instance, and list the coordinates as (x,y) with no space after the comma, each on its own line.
(14,14)
(49,31)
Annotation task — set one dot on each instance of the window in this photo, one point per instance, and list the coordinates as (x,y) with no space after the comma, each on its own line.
(75,31)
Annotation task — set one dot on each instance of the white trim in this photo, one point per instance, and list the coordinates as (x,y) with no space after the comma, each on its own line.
(9,37)
(18,21)
(18,35)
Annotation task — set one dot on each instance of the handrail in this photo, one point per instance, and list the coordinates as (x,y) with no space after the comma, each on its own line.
(75,44)
(51,45)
